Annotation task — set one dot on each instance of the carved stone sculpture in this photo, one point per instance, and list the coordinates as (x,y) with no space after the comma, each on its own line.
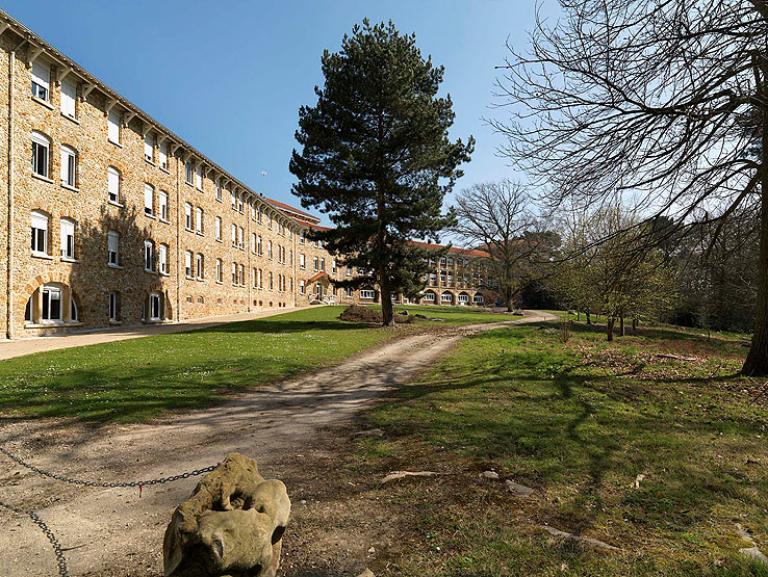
(231,526)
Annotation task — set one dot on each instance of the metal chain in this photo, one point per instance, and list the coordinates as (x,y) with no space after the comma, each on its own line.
(107,485)
(57,550)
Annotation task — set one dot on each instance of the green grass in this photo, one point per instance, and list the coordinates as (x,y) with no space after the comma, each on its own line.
(138,379)
(455,315)
(578,422)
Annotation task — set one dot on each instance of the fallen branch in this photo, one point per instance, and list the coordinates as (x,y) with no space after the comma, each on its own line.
(578,539)
(676,357)
(395,475)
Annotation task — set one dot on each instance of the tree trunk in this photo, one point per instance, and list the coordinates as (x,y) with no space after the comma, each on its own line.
(589,316)
(609,328)
(756,363)
(622,329)
(509,300)
(635,322)
(387,309)
(578,315)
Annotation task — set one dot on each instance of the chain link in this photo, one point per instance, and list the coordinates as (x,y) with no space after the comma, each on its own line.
(101,484)
(61,561)
(57,549)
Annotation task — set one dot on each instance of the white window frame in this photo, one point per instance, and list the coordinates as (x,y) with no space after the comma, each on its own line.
(162,259)
(149,147)
(41,154)
(199,177)
(219,270)
(149,256)
(155,312)
(114,119)
(367,294)
(149,200)
(69,99)
(51,293)
(68,166)
(200,266)
(199,221)
(67,229)
(114,182)
(163,152)
(113,306)
(113,248)
(188,264)
(41,80)
(40,224)
(188,216)
(162,201)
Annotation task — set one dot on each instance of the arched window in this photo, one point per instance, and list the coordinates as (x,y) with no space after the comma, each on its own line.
(149,256)
(155,306)
(68,168)
(41,147)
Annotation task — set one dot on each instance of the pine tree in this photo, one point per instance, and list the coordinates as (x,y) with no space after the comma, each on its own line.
(377,158)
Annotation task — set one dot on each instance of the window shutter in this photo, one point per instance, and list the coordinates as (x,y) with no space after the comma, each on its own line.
(68,97)
(39,220)
(41,74)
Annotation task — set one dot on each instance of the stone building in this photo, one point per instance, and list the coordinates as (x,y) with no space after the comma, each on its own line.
(109,218)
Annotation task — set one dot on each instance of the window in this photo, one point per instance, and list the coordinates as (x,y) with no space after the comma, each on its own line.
(200,266)
(217,227)
(303,237)
(155,306)
(349,270)
(322,264)
(255,278)
(199,221)
(240,239)
(234,235)
(367,294)
(242,275)
(219,270)
(260,215)
(163,152)
(68,98)
(41,146)
(114,306)
(199,177)
(269,249)
(41,80)
(429,297)
(149,200)
(51,303)
(218,190)
(253,210)
(234,273)
(333,265)
(349,292)
(149,256)
(302,287)
(39,233)
(188,171)
(463,298)
(271,280)
(260,246)
(68,169)
(67,230)
(253,243)
(240,205)
(113,185)
(188,263)
(479,299)
(302,261)
(163,205)
(316,264)
(260,277)
(187,216)
(233,199)
(149,148)
(162,258)
(113,248)
(113,126)
(446,297)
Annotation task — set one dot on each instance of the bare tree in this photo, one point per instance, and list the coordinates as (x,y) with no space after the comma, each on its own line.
(662,102)
(495,216)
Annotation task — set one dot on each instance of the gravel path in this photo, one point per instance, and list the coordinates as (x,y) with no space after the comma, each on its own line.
(117,532)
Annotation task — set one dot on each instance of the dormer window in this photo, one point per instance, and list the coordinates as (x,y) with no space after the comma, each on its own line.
(41,80)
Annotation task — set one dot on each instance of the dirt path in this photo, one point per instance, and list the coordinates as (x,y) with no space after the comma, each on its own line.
(289,428)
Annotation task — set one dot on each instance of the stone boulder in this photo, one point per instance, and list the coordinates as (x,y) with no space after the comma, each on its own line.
(232,525)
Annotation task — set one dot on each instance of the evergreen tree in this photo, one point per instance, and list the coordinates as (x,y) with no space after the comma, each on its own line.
(377,158)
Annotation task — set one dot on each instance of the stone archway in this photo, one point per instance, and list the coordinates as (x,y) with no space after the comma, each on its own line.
(49,302)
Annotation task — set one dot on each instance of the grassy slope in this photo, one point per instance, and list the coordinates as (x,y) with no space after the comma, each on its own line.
(579,422)
(138,379)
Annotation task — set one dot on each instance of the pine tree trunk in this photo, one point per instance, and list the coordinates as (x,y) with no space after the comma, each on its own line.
(387,308)
(756,364)
(609,328)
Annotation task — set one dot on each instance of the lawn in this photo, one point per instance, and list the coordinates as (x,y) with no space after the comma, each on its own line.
(455,315)
(660,457)
(136,380)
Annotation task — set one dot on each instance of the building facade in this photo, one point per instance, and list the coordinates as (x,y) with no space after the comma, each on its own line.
(109,218)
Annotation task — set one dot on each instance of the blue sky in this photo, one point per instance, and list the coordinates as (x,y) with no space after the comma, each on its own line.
(230,76)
